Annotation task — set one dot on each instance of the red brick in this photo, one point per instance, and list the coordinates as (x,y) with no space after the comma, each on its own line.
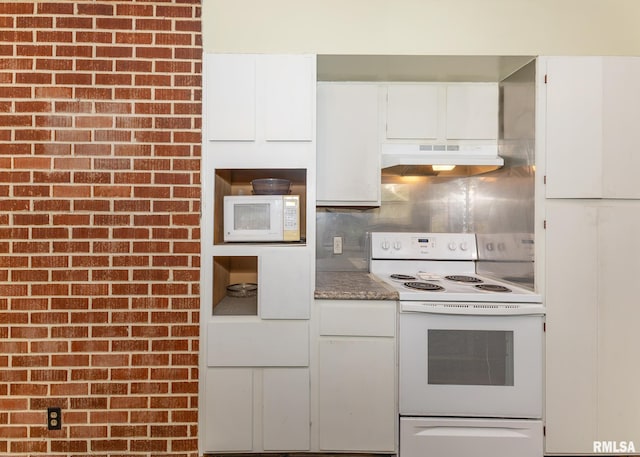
(70,332)
(68,446)
(110,417)
(30,389)
(68,389)
(93,149)
(70,360)
(24,446)
(75,79)
(148,445)
(29,332)
(28,361)
(109,302)
(153,24)
(49,375)
(150,302)
(132,206)
(91,374)
(31,163)
(115,52)
(70,246)
(54,64)
(60,8)
(128,430)
(52,149)
(149,360)
(95,9)
(92,205)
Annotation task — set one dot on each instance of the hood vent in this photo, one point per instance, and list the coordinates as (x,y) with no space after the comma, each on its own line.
(439,159)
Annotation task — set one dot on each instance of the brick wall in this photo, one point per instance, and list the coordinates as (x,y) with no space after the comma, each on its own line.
(99,226)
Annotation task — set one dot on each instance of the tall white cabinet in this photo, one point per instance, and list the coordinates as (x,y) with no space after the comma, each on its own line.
(592,213)
(258,121)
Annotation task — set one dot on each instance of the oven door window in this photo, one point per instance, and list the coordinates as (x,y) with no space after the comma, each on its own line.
(251,216)
(470,357)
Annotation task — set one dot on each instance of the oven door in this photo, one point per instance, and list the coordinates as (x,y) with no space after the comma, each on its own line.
(470,365)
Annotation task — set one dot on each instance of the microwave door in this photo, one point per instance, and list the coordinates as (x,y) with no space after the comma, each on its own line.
(253,219)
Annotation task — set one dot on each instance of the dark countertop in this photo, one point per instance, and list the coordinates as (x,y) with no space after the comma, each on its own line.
(351,285)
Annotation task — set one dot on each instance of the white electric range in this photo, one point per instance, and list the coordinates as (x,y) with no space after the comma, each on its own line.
(470,349)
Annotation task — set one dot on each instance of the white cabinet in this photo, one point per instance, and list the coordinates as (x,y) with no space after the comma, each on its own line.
(284,283)
(228,409)
(357,408)
(413,111)
(442,112)
(472,112)
(288,85)
(259,97)
(285,409)
(237,341)
(256,409)
(592,320)
(231,93)
(348,154)
(592,134)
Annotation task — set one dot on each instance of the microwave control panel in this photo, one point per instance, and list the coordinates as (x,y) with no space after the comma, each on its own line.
(291,217)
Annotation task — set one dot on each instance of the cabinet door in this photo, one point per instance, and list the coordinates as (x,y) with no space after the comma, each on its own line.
(348,156)
(357,394)
(230,97)
(621,112)
(472,112)
(228,409)
(249,341)
(412,111)
(285,419)
(574,127)
(284,283)
(618,323)
(571,300)
(288,83)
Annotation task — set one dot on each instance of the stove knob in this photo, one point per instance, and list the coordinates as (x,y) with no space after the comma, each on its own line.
(464,246)
(385,245)
(452,246)
(397,245)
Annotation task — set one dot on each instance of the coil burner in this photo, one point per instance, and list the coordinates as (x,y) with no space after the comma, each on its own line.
(399,277)
(465,279)
(423,286)
(492,288)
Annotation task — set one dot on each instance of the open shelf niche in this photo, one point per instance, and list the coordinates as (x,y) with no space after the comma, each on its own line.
(229,270)
(238,182)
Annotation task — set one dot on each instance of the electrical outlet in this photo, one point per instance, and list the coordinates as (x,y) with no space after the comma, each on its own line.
(337,245)
(54,418)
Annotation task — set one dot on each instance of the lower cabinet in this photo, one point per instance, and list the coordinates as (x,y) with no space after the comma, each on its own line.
(256,409)
(256,392)
(592,338)
(356,376)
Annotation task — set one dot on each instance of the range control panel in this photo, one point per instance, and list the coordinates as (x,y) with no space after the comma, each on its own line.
(423,246)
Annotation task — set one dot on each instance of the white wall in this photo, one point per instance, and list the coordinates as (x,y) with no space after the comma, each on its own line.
(438,27)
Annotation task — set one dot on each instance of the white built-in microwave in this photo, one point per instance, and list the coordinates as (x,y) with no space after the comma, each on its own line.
(258,218)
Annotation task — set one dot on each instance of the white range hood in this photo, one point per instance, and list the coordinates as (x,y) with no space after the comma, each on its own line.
(435,159)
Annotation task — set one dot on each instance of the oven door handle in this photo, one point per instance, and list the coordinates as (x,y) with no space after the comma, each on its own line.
(474,309)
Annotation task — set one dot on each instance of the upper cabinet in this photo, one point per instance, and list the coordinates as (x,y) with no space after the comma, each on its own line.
(592,134)
(348,154)
(260,97)
(441,112)
(412,111)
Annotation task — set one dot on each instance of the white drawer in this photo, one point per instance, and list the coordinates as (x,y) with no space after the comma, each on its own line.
(357,317)
(246,342)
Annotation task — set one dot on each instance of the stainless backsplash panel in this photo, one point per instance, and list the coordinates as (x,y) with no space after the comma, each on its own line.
(495,205)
